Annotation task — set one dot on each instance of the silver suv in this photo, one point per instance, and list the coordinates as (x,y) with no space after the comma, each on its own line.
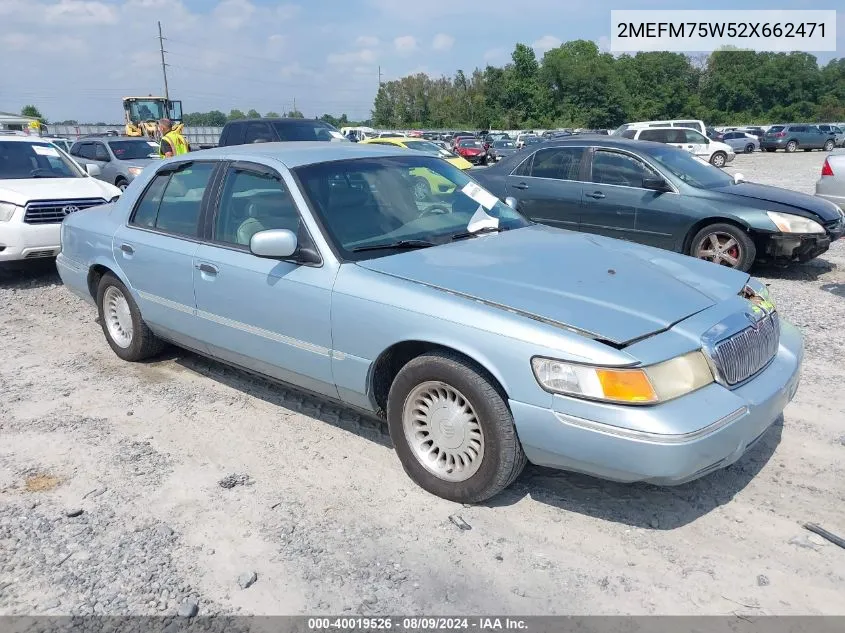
(119,158)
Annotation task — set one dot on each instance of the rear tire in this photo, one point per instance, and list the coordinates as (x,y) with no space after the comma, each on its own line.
(124,329)
(719,159)
(452,429)
(749,149)
(724,244)
(791,146)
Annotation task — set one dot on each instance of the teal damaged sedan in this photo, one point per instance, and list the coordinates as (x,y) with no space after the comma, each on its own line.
(483,340)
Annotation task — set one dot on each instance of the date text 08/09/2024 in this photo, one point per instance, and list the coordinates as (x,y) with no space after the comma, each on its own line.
(417,623)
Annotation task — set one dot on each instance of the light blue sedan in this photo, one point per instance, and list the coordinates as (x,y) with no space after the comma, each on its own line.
(483,339)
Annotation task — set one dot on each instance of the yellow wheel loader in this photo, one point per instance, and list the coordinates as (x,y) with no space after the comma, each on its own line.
(142,114)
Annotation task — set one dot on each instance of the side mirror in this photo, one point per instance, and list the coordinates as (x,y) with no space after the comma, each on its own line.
(656,183)
(93,170)
(273,243)
(511,202)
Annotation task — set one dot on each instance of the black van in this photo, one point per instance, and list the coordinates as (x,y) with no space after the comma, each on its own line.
(246,131)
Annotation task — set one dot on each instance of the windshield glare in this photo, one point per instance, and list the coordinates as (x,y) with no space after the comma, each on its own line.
(20,161)
(133,150)
(371,201)
(687,168)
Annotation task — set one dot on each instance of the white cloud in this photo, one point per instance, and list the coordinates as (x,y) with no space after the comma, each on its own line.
(546,43)
(405,43)
(78,12)
(442,42)
(365,55)
(495,55)
(234,14)
(367,41)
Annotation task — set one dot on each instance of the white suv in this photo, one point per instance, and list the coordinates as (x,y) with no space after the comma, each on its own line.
(716,153)
(39,186)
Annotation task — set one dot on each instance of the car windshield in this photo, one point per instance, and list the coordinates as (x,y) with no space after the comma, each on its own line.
(305,130)
(20,160)
(688,168)
(132,150)
(146,110)
(426,146)
(504,145)
(372,202)
(469,143)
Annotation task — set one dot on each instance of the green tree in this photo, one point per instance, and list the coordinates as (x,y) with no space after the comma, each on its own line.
(295,114)
(32,111)
(235,114)
(272,115)
(253,114)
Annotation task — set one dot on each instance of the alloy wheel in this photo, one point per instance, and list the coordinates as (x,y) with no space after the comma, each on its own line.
(443,431)
(118,317)
(720,248)
(718,160)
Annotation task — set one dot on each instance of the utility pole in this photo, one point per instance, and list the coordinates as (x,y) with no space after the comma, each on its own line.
(379,76)
(163,64)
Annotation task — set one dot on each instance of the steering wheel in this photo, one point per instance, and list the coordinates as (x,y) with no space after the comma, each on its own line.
(437,209)
(42,172)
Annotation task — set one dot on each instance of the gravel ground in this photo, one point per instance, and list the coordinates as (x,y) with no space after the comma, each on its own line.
(182,484)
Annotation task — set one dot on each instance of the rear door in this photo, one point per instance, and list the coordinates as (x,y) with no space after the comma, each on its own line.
(549,186)
(156,248)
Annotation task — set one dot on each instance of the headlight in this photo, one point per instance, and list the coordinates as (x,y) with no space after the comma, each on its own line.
(642,385)
(7,210)
(788,223)
(135,170)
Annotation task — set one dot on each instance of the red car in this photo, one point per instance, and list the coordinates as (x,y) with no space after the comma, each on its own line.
(472,149)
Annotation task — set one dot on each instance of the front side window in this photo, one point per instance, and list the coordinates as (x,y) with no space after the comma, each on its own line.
(616,168)
(691,136)
(172,202)
(689,169)
(20,160)
(258,132)
(253,201)
(559,163)
(369,202)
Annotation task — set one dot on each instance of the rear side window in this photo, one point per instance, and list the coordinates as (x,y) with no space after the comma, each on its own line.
(629,134)
(305,130)
(173,201)
(233,134)
(798,128)
(560,163)
(258,132)
(659,136)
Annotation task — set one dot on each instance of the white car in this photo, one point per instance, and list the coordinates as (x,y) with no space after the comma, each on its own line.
(39,186)
(716,153)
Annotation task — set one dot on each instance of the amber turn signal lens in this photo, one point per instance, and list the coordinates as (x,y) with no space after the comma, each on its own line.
(627,385)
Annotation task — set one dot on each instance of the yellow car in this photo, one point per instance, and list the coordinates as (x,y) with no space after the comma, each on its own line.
(427,181)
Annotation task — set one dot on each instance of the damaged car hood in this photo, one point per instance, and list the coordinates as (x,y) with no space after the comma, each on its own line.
(612,290)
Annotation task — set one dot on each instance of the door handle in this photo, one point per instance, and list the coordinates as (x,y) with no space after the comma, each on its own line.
(126,248)
(521,185)
(598,195)
(207,269)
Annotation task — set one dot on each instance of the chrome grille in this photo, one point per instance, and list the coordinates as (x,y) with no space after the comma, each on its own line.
(54,211)
(745,353)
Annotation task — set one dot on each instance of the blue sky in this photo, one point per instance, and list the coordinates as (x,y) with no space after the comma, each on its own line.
(77,58)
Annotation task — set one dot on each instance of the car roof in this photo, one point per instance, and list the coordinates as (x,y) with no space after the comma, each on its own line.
(274,118)
(25,139)
(297,153)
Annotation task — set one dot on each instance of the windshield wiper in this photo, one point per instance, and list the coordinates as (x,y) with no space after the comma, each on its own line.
(407,244)
(486,229)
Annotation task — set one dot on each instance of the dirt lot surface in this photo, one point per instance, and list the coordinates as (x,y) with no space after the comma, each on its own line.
(111,498)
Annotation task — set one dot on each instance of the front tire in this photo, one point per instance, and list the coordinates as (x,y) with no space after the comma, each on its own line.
(124,329)
(724,244)
(121,184)
(828,145)
(719,159)
(749,149)
(452,429)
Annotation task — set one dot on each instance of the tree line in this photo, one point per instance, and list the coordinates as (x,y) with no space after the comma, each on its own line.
(576,85)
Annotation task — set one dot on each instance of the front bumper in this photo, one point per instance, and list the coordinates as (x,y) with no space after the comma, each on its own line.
(785,247)
(19,240)
(477,159)
(718,425)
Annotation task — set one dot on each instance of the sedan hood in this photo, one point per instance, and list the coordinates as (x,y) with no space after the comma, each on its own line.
(24,190)
(825,210)
(612,290)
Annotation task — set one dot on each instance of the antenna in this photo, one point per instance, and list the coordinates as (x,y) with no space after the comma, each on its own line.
(163,64)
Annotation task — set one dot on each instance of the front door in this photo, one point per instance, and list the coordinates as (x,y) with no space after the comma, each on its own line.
(548,186)
(615,193)
(267,315)
(156,249)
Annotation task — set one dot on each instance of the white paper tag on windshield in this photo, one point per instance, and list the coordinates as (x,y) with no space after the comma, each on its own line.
(482,197)
(480,220)
(44,150)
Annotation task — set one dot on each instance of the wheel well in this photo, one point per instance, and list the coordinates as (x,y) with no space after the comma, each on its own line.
(706,222)
(119,178)
(394,358)
(95,273)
